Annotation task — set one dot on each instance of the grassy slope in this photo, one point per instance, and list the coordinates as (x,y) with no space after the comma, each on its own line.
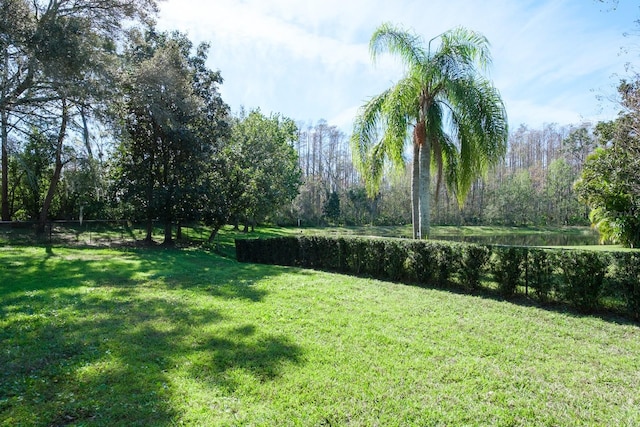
(154,337)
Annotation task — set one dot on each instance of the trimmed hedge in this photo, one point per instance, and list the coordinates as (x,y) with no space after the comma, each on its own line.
(507,268)
(540,273)
(475,258)
(626,270)
(583,274)
(587,280)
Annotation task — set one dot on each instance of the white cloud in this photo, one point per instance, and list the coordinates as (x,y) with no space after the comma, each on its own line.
(242,24)
(344,119)
(309,59)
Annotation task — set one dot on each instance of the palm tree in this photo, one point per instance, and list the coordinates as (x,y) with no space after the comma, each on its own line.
(457,118)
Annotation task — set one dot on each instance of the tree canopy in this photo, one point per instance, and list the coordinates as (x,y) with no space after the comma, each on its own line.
(56,60)
(456,116)
(267,163)
(610,181)
(172,121)
(92,98)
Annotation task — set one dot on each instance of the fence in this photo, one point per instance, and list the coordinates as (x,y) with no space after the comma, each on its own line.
(90,233)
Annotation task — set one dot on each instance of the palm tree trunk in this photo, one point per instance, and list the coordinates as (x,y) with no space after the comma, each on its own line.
(421,151)
(425,190)
(415,191)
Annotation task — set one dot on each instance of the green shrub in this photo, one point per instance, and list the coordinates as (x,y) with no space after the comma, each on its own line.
(330,253)
(279,250)
(421,265)
(540,273)
(243,251)
(412,263)
(626,275)
(574,277)
(286,250)
(374,256)
(473,262)
(507,266)
(343,247)
(448,260)
(395,255)
(583,274)
(308,253)
(354,255)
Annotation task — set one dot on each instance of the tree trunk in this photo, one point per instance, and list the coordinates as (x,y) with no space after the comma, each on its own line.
(53,185)
(214,233)
(149,236)
(424,179)
(6,216)
(168,238)
(415,190)
(425,190)
(149,195)
(5,167)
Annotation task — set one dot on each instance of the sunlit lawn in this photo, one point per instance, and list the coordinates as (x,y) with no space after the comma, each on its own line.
(170,337)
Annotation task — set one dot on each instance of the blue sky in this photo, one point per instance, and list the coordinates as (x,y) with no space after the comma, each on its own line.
(554,61)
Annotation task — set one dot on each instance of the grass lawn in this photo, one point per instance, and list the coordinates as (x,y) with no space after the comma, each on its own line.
(185,337)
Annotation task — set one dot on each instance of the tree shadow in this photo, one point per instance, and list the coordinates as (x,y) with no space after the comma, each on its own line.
(22,271)
(525,298)
(247,350)
(89,340)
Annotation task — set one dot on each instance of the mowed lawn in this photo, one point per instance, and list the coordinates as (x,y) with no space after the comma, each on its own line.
(184,337)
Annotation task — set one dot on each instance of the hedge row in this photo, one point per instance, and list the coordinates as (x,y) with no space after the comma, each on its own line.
(588,280)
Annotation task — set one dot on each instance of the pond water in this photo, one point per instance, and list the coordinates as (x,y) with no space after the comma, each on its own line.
(534,239)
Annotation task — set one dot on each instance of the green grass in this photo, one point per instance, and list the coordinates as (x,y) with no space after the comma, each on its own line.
(185,337)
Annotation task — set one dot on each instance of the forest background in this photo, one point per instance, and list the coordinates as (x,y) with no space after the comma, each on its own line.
(69,110)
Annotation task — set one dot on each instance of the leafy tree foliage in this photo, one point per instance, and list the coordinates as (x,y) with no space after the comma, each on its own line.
(457,117)
(324,156)
(513,204)
(56,57)
(83,193)
(172,117)
(175,162)
(266,164)
(610,181)
(331,208)
(532,185)
(563,206)
(34,166)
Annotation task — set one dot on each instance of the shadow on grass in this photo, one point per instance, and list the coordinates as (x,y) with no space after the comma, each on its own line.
(97,338)
(615,315)
(614,312)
